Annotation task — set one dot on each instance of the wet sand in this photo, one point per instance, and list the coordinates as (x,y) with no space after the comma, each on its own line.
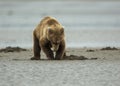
(16,68)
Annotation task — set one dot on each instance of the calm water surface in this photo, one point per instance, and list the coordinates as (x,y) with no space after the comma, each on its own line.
(87,23)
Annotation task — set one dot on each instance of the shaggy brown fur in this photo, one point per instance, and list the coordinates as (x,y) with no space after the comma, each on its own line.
(49,36)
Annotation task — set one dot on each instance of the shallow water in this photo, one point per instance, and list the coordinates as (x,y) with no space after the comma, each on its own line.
(87,23)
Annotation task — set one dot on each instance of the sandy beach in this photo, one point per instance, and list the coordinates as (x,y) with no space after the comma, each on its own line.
(16,68)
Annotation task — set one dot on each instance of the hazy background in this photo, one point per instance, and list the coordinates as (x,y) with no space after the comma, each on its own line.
(88,23)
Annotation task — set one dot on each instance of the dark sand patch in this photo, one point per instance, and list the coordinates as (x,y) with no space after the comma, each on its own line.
(90,50)
(109,48)
(12,49)
(74,57)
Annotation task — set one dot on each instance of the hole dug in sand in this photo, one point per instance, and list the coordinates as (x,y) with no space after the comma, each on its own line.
(74,57)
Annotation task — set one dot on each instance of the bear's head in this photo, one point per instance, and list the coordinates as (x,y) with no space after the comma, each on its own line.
(55,34)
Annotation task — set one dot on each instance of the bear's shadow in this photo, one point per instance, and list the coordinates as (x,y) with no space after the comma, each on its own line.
(70,57)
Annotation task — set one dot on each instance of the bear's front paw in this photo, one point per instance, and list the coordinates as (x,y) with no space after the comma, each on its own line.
(57,59)
(35,58)
(50,58)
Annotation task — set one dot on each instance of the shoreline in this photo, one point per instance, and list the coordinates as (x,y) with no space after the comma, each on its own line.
(17,53)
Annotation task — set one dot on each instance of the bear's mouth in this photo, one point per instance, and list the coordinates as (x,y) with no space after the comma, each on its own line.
(54,47)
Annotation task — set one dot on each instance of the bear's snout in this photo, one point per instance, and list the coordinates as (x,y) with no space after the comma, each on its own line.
(54,47)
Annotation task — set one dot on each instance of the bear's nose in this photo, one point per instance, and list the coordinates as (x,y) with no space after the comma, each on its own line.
(53,49)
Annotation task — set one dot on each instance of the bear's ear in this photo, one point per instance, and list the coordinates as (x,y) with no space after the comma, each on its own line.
(50,31)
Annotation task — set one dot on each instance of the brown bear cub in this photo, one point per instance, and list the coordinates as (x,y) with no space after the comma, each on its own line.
(49,36)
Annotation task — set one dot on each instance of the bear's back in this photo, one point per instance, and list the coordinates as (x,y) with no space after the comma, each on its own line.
(41,29)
